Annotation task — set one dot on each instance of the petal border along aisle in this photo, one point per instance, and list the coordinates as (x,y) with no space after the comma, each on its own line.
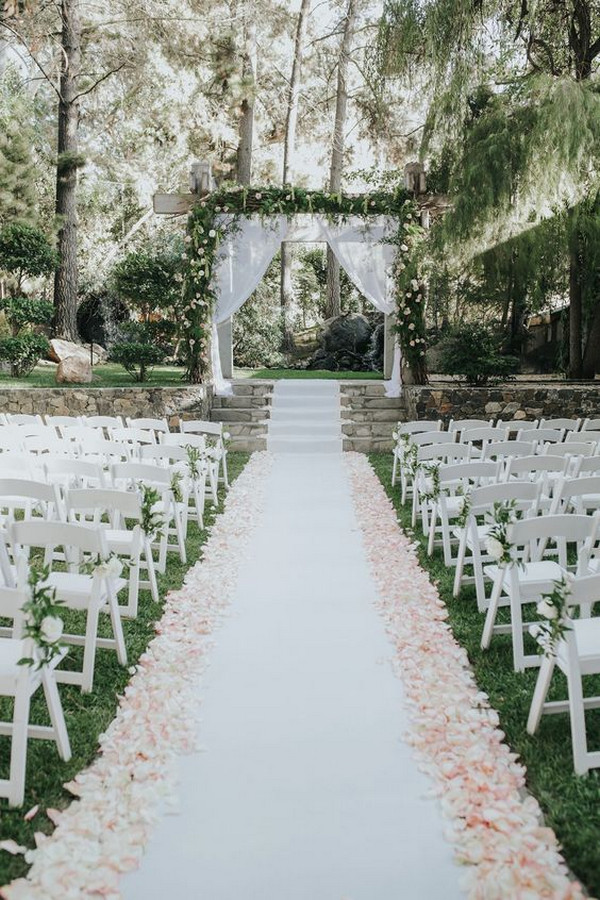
(103,834)
(455,733)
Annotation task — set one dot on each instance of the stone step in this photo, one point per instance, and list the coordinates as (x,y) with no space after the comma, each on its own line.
(248,388)
(254,414)
(367,444)
(248,444)
(250,401)
(362,429)
(246,429)
(371,415)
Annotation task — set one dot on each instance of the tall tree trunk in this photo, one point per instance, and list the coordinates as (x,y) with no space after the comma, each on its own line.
(591,356)
(575,308)
(65,281)
(246,137)
(289,146)
(337,151)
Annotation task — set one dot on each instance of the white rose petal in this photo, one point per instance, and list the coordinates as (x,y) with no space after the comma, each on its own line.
(51,629)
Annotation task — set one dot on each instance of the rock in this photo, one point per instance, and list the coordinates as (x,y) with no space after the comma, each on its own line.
(60,350)
(376,347)
(74,370)
(350,332)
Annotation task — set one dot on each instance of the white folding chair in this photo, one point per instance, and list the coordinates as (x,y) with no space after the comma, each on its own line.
(426,457)
(591,425)
(588,437)
(24,419)
(135,437)
(580,495)
(92,594)
(415,426)
(473,534)
(20,682)
(514,426)
(74,473)
(103,422)
(198,442)
(543,435)
(212,430)
(519,584)
(59,423)
(103,451)
(26,497)
(460,425)
(109,510)
(547,469)
(129,476)
(176,459)
(576,654)
(583,466)
(158,426)
(455,480)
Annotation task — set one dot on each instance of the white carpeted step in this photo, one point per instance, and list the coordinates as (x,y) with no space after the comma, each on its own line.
(304,444)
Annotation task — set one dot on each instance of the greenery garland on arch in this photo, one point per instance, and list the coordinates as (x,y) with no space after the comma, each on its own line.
(206,229)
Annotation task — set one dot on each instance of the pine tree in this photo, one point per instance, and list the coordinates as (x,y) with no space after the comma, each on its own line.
(18,200)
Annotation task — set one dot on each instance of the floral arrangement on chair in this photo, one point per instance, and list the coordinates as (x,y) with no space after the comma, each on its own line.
(497,544)
(43,624)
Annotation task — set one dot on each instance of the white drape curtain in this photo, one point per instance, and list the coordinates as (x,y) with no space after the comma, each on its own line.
(251,244)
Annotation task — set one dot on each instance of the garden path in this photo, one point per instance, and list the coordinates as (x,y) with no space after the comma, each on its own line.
(305,790)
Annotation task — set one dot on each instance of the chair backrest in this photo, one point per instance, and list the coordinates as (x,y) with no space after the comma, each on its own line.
(90,500)
(433,437)
(444,453)
(163,454)
(591,425)
(516,425)
(504,449)
(562,529)
(134,436)
(415,426)
(587,437)
(487,433)
(464,472)
(38,533)
(585,492)
(108,451)
(572,448)
(199,426)
(15,465)
(567,424)
(155,425)
(461,425)
(584,465)
(23,419)
(103,421)
(49,444)
(10,439)
(530,466)
(80,432)
(132,473)
(27,489)
(524,494)
(548,435)
(174,439)
(61,421)
(584,590)
(74,472)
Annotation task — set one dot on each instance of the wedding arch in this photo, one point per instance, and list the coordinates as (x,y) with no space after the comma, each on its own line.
(233,235)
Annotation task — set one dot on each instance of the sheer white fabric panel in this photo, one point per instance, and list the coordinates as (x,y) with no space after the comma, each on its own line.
(245,254)
(242,260)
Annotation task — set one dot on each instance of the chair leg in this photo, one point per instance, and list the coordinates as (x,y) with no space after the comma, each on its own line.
(225,472)
(179,530)
(117,627)
(18,747)
(577,714)
(516,626)
(151,571)
(134,588)
(540,693)
(57,717)
(492,612)
(394,469)
(460,565)
(89,649)
(432,527)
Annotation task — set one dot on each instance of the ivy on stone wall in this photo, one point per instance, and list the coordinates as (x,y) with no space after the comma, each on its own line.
(216,214)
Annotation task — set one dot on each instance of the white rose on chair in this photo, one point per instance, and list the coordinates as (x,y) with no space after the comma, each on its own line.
(110,568)
(51,629)
(494,548)
(547,610)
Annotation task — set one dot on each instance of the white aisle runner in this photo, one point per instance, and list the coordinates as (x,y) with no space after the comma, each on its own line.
(305,790)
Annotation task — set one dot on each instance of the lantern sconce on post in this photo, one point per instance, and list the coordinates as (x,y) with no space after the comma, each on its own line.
(201,178)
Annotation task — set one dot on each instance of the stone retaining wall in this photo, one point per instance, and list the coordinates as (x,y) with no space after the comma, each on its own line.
(170,402)
(509,401)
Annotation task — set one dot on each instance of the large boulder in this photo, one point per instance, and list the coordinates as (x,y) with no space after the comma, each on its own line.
(74,370)
(60,350)
(350,332)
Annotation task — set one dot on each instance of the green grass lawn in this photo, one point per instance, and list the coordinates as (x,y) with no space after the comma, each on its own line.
(87,715)
(274,374)
(106,375)
(571,804)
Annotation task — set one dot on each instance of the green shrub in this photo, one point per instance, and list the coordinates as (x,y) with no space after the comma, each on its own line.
(21,311)
(137,357)
(25,252)
(472,351)
(23,352)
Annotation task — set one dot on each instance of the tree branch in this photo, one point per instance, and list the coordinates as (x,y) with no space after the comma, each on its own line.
(99,81)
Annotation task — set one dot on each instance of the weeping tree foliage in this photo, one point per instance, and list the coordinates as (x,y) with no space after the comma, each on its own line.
(515,112)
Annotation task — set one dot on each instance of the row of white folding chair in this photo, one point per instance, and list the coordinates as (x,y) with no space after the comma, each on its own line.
(21,682)
(215,431)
